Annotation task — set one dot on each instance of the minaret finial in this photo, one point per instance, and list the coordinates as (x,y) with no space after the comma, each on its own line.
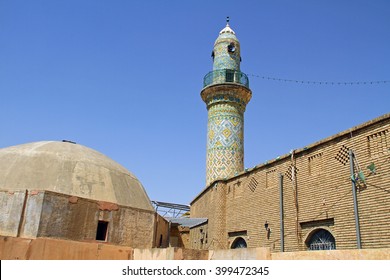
(227,21)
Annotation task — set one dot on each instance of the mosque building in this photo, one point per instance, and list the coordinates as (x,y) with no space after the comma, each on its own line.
(332,194)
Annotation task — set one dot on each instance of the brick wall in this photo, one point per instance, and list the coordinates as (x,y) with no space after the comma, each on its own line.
(317,194)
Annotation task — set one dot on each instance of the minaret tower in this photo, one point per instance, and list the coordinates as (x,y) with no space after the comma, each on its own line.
(226,93)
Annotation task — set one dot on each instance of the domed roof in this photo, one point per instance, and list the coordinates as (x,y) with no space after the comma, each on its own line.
(227,29)
(226,33)
(70,169)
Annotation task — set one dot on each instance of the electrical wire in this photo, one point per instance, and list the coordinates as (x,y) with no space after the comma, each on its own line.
(356,83)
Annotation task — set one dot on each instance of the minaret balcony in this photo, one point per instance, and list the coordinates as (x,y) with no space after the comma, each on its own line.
(223,76)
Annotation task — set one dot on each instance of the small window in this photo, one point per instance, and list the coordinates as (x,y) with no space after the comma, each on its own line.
(101,233)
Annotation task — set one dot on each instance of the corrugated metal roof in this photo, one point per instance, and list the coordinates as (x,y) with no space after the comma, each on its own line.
(187,222)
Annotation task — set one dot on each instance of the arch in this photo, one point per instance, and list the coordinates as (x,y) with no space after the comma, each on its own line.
(320,239)
(239,243)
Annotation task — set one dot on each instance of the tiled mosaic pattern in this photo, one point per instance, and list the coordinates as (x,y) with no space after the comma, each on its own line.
(225,127)
(225,142)
(226,106)
(224,59)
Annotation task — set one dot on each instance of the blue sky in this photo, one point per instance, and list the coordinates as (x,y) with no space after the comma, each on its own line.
(124,78)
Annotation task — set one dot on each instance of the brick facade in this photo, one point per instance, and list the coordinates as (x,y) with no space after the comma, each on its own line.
(317,194)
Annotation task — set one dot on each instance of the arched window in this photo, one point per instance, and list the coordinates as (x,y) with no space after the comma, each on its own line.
(321,239)
(239,243)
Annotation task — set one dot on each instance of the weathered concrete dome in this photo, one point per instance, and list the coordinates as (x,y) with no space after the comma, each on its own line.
(70,169)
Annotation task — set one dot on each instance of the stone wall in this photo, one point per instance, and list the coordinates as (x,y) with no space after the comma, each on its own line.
(21,211)
(317,194)
(33,214)
(11,211)
(77,219)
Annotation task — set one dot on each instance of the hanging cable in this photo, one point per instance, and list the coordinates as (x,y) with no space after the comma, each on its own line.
(356,83)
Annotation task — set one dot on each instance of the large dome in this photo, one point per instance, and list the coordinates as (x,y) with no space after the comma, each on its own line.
(70,169)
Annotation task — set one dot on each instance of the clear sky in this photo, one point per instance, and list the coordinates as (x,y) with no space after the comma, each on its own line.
(124,77)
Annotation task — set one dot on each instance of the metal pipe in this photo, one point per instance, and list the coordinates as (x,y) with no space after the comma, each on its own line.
(355,203)
(281,213)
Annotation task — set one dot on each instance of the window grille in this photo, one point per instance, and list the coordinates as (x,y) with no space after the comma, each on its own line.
(239,243)
(322,240)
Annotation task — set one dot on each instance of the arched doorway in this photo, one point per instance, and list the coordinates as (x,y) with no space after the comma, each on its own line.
(321,239)
(239,243)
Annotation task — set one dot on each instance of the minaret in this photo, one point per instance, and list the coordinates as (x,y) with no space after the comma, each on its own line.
(226,93)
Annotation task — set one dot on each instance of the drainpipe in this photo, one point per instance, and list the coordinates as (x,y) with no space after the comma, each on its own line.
(281,213)
(355,205)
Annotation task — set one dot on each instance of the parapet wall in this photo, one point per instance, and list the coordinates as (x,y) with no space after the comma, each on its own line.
(350,254)
(12,248)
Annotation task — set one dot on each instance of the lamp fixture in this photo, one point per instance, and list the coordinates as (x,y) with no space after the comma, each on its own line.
(267,229)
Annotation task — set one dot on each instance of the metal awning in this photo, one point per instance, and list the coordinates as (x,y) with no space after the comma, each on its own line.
(173,210)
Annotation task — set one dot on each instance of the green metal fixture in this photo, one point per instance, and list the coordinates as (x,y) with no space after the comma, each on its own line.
(225,76)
